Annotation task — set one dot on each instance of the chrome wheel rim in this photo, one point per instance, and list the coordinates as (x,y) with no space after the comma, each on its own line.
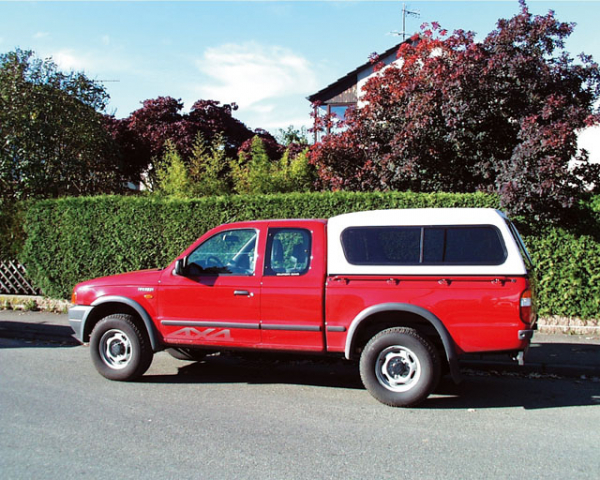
(397,368)
(115,349)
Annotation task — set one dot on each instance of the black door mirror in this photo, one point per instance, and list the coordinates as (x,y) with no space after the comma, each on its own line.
(180,267)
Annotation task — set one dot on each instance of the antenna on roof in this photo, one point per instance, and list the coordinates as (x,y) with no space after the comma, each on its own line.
(406,13)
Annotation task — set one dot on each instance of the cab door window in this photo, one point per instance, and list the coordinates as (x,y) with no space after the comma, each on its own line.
(288,252)
(232,252)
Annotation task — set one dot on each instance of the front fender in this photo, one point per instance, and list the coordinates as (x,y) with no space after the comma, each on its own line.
(150,328)
(80,314)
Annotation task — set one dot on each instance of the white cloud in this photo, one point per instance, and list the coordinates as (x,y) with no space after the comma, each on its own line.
(105,39)
(288,111)
(105,62)
(39,35)
(262,108)
(274,124)
(251,73)
(68,60)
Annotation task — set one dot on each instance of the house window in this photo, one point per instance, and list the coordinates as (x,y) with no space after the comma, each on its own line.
(338,111)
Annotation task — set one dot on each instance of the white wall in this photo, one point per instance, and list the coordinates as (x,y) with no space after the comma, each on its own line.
(364,76)
(589,139)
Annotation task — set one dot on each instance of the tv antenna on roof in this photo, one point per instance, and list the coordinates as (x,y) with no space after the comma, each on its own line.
(406,13)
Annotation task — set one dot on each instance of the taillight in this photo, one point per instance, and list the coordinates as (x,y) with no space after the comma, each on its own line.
(74,297)
(526,307)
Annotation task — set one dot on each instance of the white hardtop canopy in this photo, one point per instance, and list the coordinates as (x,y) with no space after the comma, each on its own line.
(337,264)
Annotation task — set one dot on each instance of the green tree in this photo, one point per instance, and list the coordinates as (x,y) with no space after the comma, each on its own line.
(294,172)
(171,174)
(209,167)
(52,136)
(254,172)
(292,135)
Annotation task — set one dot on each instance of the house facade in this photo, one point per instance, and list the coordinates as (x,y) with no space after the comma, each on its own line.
(346,92)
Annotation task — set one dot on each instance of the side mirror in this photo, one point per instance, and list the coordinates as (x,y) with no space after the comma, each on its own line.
(180,267)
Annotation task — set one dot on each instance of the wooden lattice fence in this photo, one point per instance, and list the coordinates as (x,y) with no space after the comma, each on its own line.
(13,279)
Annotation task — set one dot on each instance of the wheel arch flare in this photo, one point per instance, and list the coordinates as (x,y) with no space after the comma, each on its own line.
(372,318)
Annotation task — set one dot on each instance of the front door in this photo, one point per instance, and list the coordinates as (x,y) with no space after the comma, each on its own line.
(217,299)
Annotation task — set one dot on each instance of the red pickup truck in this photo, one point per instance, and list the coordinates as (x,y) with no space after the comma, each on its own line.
(406,292)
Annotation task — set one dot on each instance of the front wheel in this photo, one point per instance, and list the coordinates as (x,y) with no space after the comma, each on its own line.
(399,367)
(119,349)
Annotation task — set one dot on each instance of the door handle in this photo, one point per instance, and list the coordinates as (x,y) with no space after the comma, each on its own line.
(242,293)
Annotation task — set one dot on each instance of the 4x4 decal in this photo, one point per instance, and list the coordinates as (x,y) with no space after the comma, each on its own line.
(206,334)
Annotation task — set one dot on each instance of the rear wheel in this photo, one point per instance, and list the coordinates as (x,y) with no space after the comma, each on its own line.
(119,349)
(399,367)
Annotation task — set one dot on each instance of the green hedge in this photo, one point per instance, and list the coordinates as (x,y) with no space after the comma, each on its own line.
(568,266)
(74,239)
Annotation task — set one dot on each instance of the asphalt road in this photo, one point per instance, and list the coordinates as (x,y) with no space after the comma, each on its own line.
(232,418)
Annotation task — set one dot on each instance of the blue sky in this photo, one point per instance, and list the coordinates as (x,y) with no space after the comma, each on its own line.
(265,56)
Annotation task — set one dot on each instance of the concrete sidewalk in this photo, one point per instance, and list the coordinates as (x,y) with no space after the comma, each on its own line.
(555,354)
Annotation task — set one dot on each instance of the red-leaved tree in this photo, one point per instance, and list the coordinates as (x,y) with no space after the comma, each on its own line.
(501,115)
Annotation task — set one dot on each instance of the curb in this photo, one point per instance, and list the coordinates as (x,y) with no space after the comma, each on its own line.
(33,303)
(568,325)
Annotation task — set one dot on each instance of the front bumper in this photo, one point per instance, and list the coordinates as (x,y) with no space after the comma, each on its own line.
(77,317)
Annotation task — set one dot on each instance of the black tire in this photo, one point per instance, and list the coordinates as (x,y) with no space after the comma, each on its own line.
(399,367)
(188,354)
(119,349)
